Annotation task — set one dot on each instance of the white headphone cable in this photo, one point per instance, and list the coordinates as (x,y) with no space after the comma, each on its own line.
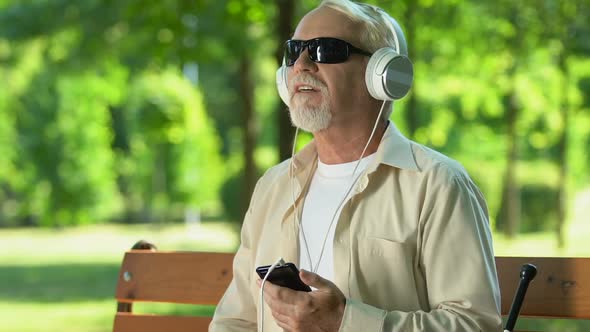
(316,267)
(295,210)
(261,303)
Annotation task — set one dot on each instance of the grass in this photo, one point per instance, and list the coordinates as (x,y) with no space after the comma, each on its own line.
(576,233)
(66,278)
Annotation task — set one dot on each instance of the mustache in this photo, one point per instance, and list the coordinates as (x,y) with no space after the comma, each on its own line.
(306,79)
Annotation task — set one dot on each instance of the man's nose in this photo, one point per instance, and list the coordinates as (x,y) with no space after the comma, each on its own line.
(304,63)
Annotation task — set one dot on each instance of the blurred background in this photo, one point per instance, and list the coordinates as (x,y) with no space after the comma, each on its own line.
(127,120)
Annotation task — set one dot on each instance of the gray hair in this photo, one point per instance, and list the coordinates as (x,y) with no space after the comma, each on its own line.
(377,30)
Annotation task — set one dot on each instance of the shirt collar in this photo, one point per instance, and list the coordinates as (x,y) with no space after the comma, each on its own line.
(304,159)
(394,150)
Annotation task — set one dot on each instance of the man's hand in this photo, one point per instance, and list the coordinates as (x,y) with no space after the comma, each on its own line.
(319,310)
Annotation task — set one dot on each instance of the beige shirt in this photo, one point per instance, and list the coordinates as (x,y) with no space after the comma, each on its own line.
(412,247)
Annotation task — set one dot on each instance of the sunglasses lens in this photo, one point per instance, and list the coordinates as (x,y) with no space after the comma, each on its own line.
(328,50)
(321,50)
(293,49)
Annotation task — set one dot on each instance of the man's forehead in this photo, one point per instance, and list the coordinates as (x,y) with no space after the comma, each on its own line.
(326,22)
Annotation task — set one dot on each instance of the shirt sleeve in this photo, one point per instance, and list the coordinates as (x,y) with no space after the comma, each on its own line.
(236,312)
(457,259)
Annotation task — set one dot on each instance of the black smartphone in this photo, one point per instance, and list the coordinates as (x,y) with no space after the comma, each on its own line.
(286,275)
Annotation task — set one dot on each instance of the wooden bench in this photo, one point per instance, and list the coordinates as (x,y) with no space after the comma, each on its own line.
(561,288)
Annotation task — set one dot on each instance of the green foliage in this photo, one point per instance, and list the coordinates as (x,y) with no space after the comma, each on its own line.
(65,141)
(173,159)
(232,195)
(87,145)
(97,122)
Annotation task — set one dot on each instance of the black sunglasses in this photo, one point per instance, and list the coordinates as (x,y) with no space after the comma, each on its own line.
(321,50)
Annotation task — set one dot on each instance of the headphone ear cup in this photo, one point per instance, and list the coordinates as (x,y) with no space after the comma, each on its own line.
(389,74)
(281,79)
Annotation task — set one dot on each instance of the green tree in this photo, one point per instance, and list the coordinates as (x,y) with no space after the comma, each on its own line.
(139,37)
(64,129)
(173,160)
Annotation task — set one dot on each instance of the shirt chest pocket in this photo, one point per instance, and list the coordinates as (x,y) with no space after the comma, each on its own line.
(385,273)
(380,255)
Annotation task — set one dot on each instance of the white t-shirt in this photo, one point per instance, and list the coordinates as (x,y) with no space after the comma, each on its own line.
(326,192)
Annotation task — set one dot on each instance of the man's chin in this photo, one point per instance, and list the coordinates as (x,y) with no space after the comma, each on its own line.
(307,104)
(310,125)
(307,99)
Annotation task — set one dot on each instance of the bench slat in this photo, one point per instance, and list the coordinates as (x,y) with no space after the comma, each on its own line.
(125,322)
(561,288)
(177,277)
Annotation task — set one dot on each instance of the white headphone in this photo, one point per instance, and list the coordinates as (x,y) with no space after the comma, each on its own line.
(389,73)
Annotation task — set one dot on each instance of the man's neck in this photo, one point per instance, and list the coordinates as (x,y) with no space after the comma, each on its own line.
(337,145)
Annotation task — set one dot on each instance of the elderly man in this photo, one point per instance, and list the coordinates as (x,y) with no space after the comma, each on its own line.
(390,235)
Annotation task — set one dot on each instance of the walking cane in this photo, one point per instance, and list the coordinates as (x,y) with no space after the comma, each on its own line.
(527,274)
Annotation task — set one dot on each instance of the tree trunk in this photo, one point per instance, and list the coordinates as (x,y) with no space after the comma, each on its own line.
(120,144)
(249,129)
(509,216)
(286,9)
(411,114)
(562,146)
(157,210)
(509,213)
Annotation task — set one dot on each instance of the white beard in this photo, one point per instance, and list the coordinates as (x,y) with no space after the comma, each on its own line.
(310,118)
